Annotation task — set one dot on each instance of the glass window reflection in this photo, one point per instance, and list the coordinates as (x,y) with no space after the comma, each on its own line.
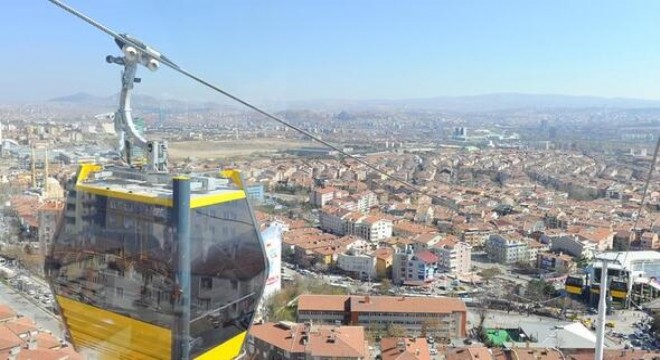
(118,255)
(228,273)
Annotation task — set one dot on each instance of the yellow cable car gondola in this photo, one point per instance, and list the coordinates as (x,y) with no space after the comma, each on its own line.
(151,264)
(115,267)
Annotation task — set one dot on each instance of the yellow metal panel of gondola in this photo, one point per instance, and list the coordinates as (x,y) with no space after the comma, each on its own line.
(112,335)
(619,294)
(86,170)
(228,350)
(215,199)
(576,290)
(234,175)
(152,199)
(126,195)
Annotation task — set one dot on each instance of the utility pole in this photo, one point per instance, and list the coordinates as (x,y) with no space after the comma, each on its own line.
(602,311)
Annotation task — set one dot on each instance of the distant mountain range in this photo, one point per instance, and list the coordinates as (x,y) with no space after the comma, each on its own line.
(476,103)
(139,101)
(487,102)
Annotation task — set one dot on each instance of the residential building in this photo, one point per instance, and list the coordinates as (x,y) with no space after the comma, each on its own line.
(414,268)
(559,262)
(426,241)
(405,348)
(474,233)
(574,246)
(373,228)
(603,238)
(407,228)
(255,192)
(384,259)
(507,249)
(365,201)
(361,265)
(454,256)
(321,196)
(444,317)
(345,203)
(533,249)
(332,219)
(648,241)
(21,338)
(50,216)
(622,240)
(338,221)
(468,353)
(286,340)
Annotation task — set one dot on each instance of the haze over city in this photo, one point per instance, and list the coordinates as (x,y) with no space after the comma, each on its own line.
(419,180)
(299,50)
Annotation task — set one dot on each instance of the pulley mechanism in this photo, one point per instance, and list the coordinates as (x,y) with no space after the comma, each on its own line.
(129,137)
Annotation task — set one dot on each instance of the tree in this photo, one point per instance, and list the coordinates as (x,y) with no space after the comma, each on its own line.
(396,330)
(287,253)
(581,261)
(490,273)
(525,265)
(538,289)
(385,286)
(321,267)
(431,326)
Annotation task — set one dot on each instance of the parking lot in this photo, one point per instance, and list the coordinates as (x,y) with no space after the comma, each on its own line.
(630,328)
(34,289)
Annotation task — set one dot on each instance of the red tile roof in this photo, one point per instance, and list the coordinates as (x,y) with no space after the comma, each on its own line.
(8,339)
(322,340)
(427,257)
(7,313)
(468,353)
(322,302)
(21,325)
(404,349)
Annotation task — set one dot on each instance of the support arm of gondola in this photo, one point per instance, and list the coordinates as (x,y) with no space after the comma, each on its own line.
(128,135)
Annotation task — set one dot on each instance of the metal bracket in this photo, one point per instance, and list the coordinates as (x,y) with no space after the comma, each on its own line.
(128,135)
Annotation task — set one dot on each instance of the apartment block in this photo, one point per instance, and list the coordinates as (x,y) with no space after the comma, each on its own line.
(444,317)
(362,265)
(454,256)
(506,249)
(414,268)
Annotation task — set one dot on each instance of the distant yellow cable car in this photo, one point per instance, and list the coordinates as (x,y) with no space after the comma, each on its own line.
(610,324)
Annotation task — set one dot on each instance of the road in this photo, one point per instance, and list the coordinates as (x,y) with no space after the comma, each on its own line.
(25,307)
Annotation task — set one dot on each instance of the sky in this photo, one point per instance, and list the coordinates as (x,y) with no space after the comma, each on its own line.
(338,49)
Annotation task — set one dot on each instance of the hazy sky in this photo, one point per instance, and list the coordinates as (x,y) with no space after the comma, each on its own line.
(339,49)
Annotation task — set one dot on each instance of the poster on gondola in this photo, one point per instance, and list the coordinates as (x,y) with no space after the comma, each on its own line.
(272,238)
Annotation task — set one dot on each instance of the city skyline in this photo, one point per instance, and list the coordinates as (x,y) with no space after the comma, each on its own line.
(296,51)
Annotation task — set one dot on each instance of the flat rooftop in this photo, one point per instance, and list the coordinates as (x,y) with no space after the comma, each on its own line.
(627,258)
(156,189)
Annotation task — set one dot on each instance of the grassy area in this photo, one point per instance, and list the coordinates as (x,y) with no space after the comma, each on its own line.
(231,148)
(500,336)
(279,306)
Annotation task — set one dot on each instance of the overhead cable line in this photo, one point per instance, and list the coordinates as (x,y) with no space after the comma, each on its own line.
(166,61)
(645,191)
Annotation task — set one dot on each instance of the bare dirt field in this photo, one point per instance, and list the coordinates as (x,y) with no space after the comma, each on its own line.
(230,148)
